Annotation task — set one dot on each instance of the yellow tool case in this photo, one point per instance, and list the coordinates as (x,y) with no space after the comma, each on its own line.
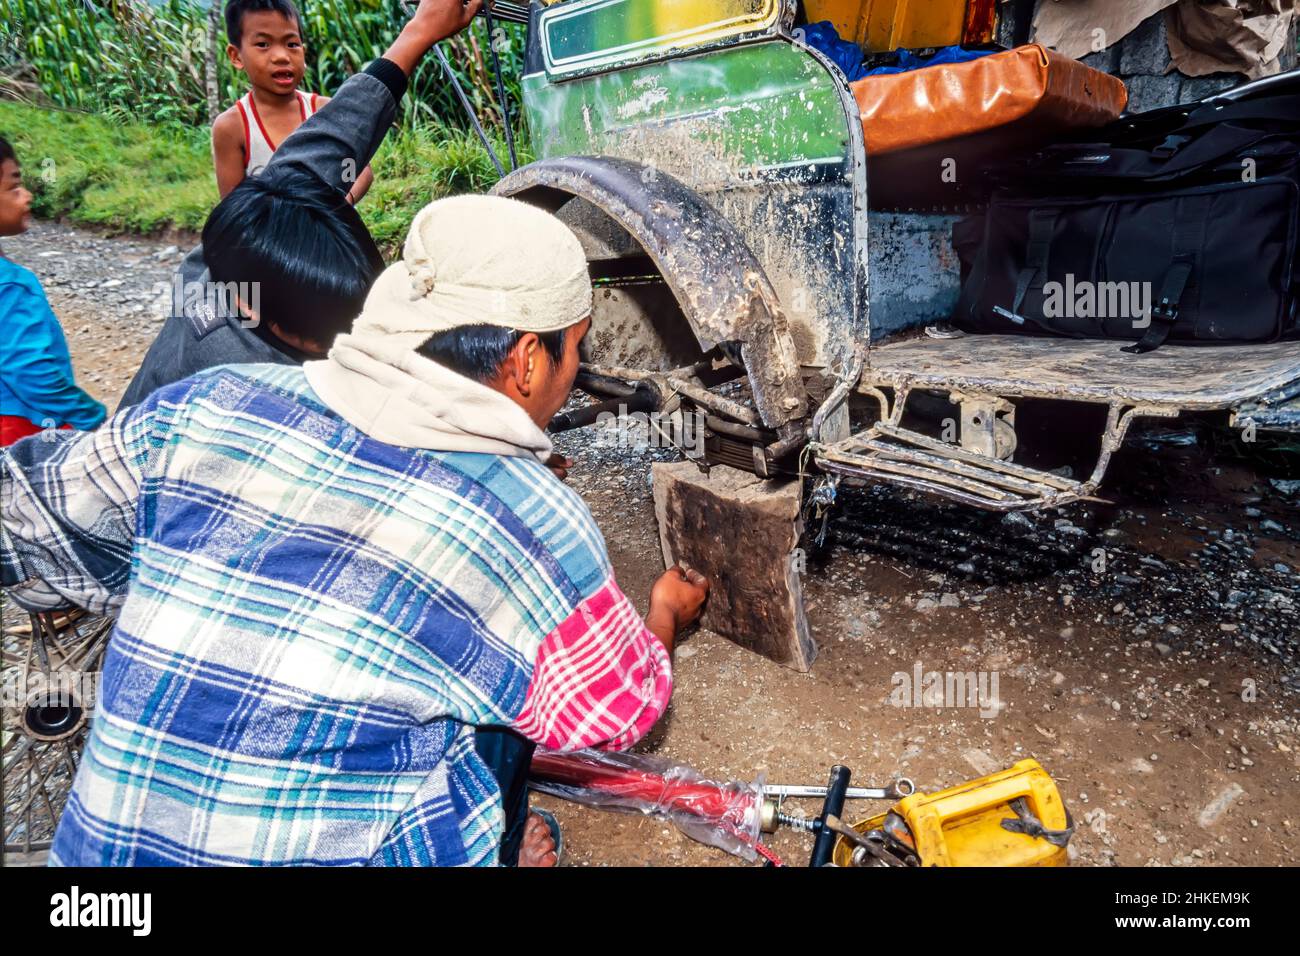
(1011,818)
(894,24)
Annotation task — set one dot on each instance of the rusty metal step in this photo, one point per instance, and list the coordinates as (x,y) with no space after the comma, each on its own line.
(888,453)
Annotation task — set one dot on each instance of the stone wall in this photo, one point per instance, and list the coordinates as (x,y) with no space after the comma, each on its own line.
(1141,60)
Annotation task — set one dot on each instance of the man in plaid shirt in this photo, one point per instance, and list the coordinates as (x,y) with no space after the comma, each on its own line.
(326,576)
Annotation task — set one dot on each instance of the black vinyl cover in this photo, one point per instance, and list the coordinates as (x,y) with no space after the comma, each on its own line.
(1180,226)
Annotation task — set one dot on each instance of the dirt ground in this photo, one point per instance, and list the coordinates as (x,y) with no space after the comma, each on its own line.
(1146,651)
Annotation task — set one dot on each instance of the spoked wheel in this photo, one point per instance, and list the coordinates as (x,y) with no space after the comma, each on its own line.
(50,673)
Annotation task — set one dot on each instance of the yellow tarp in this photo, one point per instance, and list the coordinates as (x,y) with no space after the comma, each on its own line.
(881,25)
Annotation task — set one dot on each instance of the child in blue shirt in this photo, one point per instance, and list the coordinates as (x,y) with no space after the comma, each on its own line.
(37,386)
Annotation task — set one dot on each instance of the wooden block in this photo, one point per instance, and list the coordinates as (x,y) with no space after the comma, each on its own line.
(741,532)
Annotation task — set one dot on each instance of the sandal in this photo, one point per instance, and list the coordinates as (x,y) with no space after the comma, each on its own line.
(553,825)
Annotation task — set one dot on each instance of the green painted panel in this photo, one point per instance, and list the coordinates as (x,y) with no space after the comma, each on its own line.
(763,132)
(598,33)
(706,118)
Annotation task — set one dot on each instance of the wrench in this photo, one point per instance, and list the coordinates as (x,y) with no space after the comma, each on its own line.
(902,787)
(875,850)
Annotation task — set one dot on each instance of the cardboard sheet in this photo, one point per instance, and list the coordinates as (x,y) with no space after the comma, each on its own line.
(1205,36)
(1079,27)
(1233,36)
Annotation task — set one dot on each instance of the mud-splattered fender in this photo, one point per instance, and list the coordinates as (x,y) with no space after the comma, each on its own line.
(719,285)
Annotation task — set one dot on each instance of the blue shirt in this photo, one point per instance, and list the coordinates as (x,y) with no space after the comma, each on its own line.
(36,380)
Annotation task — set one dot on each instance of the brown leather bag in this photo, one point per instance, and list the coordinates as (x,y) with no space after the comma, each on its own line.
(1031,87)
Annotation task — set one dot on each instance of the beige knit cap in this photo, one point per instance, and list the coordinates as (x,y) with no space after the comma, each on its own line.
(479,260)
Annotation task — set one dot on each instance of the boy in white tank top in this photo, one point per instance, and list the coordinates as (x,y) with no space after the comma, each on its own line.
(266,43)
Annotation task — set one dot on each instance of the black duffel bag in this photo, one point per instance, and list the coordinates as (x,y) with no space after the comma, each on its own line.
(1180,225)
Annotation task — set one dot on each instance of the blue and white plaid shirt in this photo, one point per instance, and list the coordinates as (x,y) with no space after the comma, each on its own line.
(310,623)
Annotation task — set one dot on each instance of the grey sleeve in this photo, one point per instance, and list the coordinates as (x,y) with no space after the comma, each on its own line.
(340,140)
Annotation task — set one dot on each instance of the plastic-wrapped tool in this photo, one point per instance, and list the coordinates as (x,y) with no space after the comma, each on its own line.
(725,815)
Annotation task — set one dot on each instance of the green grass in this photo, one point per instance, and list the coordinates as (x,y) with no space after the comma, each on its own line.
(416,166)
(135,177)
(129,178)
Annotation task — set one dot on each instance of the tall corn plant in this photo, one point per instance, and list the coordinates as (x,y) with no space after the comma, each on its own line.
(344,35)
(123,58)
(18,79)
(133,59)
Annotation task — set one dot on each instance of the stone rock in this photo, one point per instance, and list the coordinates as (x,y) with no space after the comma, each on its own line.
(740,532)
(1196,88)
(1216,808)
(982,763)
(1145,51)
(1106,60)
(1151,92)
(1019,520)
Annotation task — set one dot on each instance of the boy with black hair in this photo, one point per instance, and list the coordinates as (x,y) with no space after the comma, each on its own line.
(37,386)
(265,42)
(299,261)
(342,136)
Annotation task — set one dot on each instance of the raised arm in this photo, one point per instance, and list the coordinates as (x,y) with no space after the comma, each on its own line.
(363,181)
(339,141)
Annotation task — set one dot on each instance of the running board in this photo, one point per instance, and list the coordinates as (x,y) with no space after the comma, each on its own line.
(900,456)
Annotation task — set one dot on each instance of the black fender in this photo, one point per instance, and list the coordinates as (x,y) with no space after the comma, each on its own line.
(719,285)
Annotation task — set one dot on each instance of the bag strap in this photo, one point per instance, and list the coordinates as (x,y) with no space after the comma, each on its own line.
(1042,226)
(1285,109)
(1188,241)
(1218,144)
(1282,109)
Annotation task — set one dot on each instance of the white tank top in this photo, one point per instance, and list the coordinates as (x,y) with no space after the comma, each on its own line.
(257,142)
